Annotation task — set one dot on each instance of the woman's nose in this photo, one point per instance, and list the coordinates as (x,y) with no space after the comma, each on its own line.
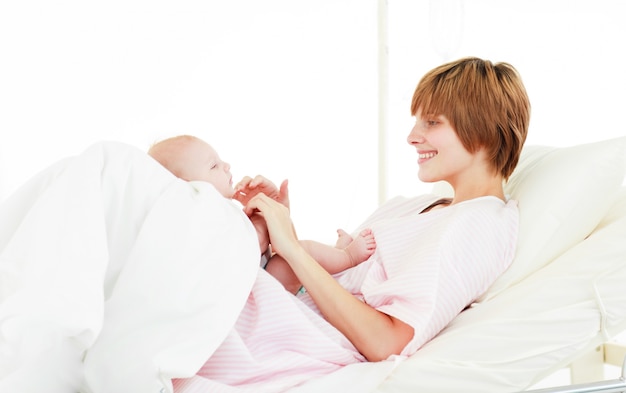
(415,136)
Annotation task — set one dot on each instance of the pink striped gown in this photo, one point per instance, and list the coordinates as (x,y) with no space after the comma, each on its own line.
(426,269)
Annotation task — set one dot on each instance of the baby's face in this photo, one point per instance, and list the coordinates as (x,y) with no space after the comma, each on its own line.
(207,166)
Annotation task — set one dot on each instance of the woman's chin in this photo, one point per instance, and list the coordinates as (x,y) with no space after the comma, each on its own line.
(425,178)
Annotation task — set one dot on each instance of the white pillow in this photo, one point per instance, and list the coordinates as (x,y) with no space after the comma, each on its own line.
(563,193)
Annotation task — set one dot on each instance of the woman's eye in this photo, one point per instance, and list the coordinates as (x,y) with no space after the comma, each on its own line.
(431,123)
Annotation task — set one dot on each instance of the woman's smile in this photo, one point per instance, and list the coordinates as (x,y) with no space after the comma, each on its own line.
(425,156)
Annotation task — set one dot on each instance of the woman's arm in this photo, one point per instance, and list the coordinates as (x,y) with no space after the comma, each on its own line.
(375,334)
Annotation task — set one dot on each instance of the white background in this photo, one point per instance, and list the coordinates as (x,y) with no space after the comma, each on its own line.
(289,88)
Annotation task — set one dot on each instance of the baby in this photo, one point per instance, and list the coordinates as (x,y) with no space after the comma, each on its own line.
(192,159)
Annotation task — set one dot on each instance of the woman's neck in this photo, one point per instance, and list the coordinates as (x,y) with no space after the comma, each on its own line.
(491,186)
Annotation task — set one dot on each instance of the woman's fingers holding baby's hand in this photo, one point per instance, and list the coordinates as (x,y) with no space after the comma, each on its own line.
(252,186)
(260,203)
(278,221)
(249,187)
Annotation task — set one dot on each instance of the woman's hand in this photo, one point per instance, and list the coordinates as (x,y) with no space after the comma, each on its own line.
(248,188)
(281,231)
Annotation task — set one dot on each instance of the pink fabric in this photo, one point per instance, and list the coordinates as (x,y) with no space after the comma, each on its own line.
(426,271)
(278,342)
(427,268)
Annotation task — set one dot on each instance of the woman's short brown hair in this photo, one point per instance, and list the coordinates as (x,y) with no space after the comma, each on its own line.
(486,104)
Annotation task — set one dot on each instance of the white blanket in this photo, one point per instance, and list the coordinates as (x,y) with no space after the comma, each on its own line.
(110,268)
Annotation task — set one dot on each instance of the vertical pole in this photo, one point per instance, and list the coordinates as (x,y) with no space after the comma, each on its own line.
(383,84)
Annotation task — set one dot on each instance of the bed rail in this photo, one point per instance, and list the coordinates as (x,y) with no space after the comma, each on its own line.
(610,386)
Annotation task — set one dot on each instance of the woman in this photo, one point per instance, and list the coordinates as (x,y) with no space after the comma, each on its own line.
(434,255)
(471,122)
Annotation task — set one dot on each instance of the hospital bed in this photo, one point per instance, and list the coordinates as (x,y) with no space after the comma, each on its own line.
(563,297)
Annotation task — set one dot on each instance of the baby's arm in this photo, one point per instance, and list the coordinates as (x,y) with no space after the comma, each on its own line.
(347,253)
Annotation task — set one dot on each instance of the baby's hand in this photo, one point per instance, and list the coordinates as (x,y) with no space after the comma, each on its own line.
(248,187)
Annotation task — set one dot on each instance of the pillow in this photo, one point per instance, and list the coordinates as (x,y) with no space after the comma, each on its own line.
(563,193)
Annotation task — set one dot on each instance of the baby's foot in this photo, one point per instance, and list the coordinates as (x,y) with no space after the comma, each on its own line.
(361,248)
(343,239)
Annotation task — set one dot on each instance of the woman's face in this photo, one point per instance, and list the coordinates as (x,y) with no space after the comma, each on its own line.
(441,155)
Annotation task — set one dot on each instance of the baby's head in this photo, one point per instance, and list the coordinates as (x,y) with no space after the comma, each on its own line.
(191,159)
